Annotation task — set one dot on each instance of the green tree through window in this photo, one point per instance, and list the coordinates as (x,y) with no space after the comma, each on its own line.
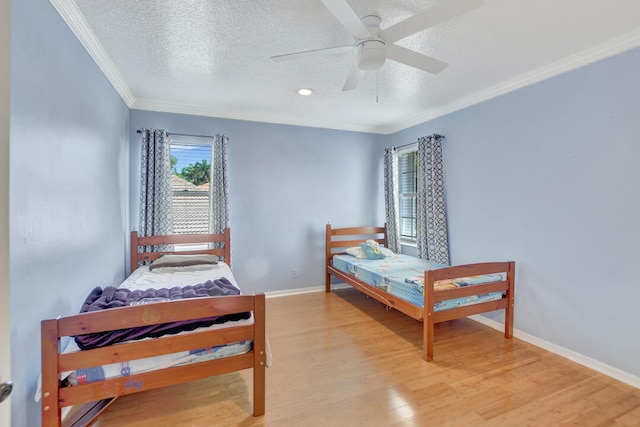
(197,174)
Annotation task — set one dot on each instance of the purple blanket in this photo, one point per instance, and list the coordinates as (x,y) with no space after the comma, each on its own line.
(111,297)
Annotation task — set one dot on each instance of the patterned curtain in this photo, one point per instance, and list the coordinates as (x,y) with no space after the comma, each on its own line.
(432,239)
(155,183)
(391,201)
(219,188)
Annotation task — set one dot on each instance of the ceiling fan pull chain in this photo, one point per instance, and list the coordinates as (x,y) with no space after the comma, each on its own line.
(377,75)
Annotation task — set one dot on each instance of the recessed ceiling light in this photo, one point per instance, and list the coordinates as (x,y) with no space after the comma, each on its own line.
(305,91)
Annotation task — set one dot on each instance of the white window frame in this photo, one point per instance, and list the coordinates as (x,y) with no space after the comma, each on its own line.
(191,140)
(404,195)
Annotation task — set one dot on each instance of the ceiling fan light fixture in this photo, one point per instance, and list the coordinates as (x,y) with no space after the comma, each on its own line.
(371,54)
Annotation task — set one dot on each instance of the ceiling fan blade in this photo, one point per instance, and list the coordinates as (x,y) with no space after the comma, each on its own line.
(348,18)
(353,79)
(306,53)
(415,59)
(436,14)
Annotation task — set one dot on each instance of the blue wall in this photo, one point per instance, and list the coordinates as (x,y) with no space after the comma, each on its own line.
(68,185)
(548,176)
(286,182)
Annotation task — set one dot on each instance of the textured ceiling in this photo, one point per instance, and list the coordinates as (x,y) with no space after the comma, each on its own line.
(212,57)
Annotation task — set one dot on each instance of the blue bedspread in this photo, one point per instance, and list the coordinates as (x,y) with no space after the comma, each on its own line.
(403,276)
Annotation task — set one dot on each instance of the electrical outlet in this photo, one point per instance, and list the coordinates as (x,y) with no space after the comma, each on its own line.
(294,273)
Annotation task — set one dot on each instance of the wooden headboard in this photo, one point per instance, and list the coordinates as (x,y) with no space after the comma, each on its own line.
(171,239)
(338,239)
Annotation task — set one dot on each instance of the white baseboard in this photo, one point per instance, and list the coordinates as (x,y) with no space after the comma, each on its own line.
(299,291)
(583,360)
(590,363)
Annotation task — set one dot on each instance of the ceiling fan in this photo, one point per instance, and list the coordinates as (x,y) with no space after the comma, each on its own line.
(372,46)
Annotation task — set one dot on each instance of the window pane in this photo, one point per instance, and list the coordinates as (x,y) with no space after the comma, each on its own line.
(190,176)
(408,217)
(408,183)
(191,162)
(190,212)
(408,173)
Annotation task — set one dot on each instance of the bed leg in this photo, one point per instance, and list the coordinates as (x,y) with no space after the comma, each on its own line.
(428,316)
(260,356)
(258,390)
(508,313)
(427,340)
(327,258)
(50,411)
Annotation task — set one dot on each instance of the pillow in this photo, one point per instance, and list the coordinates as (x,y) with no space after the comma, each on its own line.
(372,251)
(185,269)
(173,260)
(356,251)
(386,252)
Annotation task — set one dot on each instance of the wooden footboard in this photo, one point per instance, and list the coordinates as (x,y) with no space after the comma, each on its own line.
(338,239)
(55,397)
(431,297)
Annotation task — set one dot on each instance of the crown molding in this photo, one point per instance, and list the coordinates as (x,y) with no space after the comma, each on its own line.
(588,56)
(72,16)
(165,107)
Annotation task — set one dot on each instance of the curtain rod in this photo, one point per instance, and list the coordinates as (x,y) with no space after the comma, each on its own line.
(412,143)
(405,145)
(183,134)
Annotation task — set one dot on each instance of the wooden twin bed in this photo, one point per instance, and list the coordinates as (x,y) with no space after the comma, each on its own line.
(97,395)
(338,239)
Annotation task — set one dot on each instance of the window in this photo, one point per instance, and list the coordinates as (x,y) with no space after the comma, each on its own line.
(190,176)
(408,182)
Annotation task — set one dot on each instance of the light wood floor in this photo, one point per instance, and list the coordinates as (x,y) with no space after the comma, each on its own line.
(341,359)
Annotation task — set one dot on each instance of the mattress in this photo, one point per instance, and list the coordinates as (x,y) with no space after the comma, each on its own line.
(403,277)
(124,369)
(167,277)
